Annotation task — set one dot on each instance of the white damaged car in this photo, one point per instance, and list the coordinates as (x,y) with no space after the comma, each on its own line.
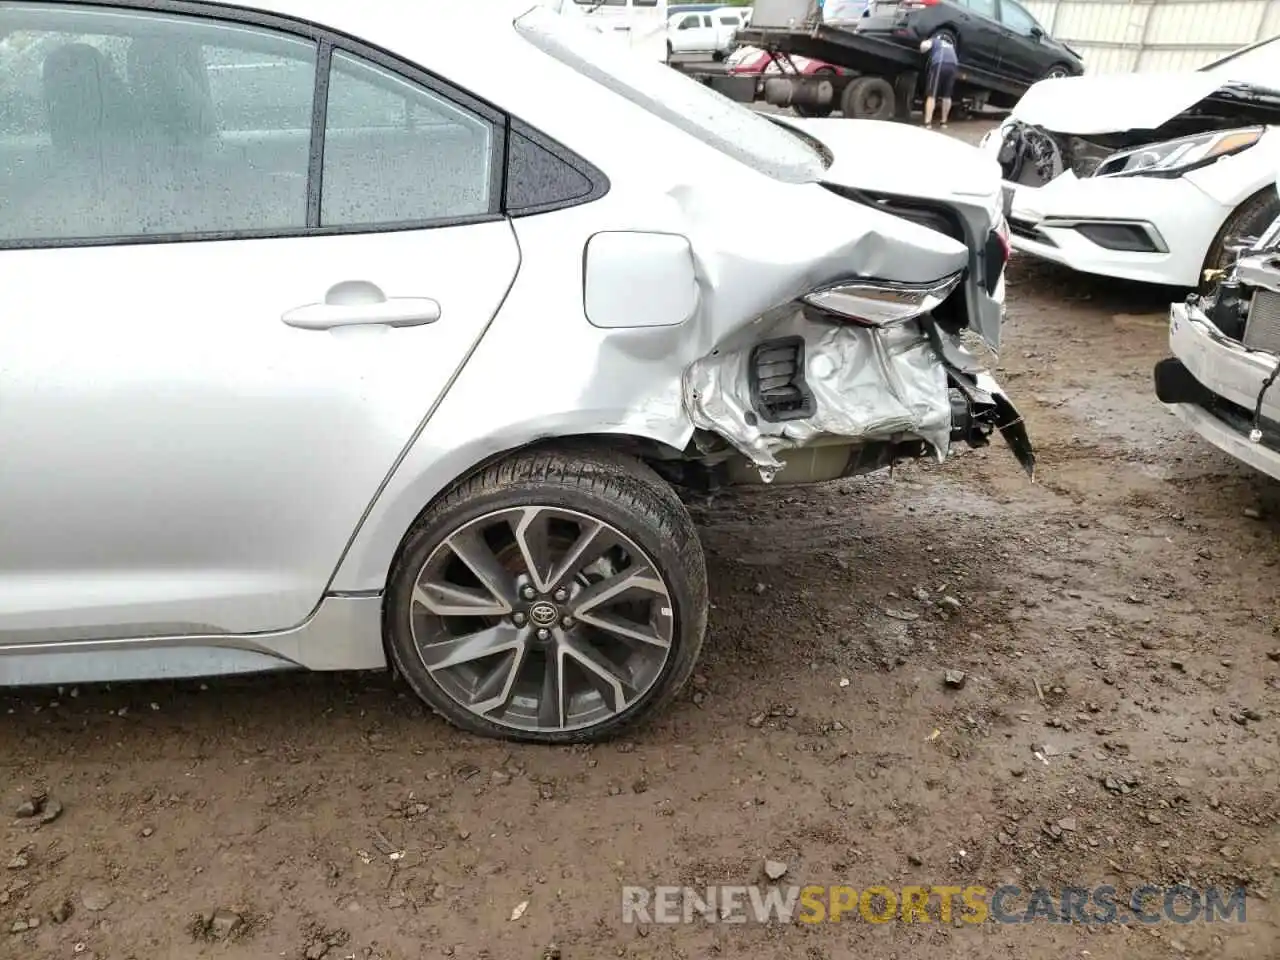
(331,345)
(1221,379)
(1153,177)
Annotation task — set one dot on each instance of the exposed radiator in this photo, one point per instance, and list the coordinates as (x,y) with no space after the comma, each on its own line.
(1262,329)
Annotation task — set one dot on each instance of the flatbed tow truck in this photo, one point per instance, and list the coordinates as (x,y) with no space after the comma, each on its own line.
(883,79)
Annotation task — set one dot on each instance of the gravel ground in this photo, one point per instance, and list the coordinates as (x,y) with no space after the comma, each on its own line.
(1116,723)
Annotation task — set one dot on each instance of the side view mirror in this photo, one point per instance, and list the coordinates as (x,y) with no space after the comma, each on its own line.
(1037,34)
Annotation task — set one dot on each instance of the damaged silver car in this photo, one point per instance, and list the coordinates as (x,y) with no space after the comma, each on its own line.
(274,405)
(1221,378)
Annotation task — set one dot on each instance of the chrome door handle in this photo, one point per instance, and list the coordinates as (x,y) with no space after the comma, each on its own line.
(400,312)
(360,303)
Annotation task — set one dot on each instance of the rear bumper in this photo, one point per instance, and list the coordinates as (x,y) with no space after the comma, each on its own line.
(1212,384)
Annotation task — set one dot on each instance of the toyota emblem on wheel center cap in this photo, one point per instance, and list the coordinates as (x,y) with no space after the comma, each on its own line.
(543,614)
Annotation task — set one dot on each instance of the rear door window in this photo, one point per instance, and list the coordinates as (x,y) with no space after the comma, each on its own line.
(396,152)
(1015,18)
(983,8)
(118,123)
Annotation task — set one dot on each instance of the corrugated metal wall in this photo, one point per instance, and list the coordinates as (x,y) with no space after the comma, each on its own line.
(1124,36)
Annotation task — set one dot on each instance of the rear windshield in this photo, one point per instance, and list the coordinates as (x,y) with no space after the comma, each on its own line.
(698,110)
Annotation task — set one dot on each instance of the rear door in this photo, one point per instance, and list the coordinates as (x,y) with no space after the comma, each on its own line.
(209,364)
(980,34)
(1022,56)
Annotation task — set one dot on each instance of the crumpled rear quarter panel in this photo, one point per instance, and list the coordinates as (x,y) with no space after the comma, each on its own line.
(867,385)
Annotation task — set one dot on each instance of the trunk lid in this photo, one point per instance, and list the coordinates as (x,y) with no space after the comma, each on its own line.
(925,164)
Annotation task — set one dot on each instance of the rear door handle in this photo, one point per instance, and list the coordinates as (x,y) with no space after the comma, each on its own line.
(360,303)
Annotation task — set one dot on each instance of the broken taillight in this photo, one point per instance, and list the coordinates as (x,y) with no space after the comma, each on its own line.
(881,303)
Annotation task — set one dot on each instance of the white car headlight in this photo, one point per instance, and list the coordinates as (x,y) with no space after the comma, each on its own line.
(881,303)
(1175,157)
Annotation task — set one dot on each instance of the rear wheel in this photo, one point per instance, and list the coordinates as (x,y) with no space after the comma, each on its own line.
(950,35)
(868,98)
(1248,220)
(554,598)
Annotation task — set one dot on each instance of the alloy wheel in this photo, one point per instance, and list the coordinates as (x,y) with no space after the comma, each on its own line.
(542,619)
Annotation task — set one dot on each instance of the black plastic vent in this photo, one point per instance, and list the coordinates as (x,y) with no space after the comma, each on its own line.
(992,262)
(778,390)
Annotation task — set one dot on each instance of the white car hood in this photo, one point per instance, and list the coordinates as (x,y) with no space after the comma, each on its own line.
(924,164)
(1112,103)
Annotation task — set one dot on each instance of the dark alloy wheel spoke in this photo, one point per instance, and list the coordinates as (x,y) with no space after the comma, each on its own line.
(542,619)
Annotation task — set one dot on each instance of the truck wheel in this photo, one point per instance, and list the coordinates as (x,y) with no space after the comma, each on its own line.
(817,113)
(868,98)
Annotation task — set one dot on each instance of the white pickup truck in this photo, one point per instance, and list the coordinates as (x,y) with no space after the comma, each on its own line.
(708,31)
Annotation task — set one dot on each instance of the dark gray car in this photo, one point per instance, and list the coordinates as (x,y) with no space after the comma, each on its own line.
(996,36)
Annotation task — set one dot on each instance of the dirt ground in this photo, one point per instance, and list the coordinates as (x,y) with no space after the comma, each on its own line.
(1117,723)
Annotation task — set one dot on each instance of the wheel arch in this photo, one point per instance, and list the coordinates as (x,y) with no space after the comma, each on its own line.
(426,476)
(1242,199)
(951,29)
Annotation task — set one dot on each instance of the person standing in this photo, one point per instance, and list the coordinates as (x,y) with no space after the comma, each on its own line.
(941,76)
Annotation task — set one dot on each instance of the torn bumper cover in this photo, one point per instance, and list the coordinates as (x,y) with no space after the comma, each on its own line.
(1222,388)
(795,377)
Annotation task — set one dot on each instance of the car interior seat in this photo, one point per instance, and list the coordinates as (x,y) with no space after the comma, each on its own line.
(87,102)
(170,88)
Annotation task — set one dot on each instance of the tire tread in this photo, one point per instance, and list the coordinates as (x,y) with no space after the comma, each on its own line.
(602,475)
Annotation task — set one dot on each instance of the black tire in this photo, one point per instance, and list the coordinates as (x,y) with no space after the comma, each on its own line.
(868,98)
(1249,219)
(950,35)
(1057,70)
(817,113)
(608,487)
